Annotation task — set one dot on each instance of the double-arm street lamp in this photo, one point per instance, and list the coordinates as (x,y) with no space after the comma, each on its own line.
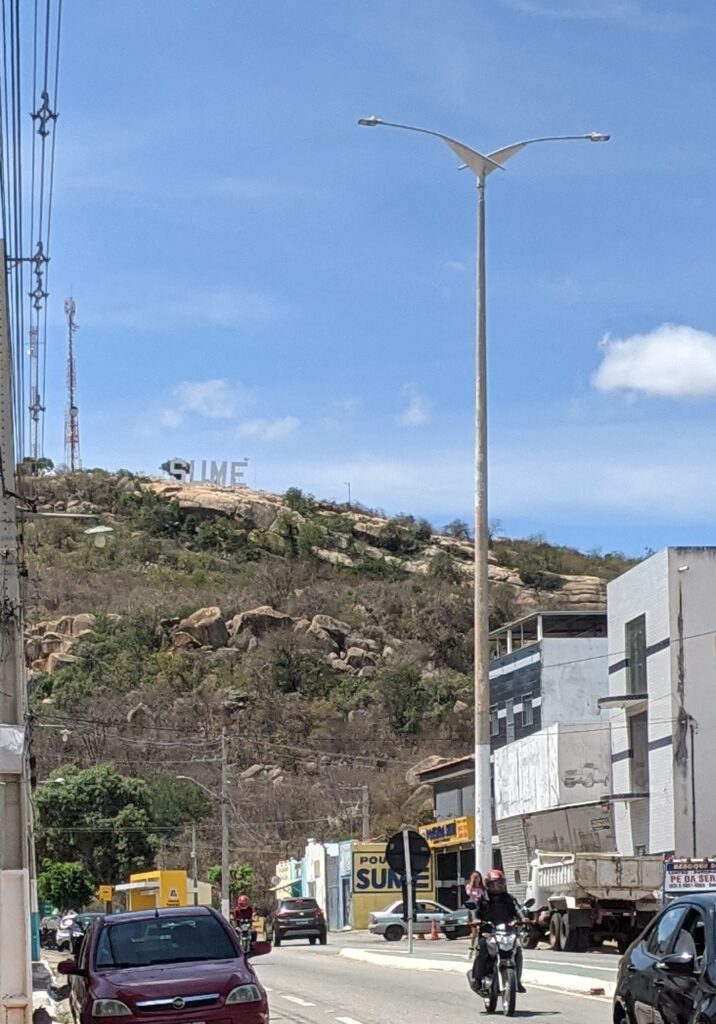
(482,165)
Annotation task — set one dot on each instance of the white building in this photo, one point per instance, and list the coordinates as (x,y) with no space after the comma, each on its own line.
(662,701)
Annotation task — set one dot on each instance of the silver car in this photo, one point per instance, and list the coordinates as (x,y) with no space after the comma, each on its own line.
(389,922)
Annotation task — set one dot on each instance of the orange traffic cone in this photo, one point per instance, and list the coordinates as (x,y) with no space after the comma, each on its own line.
(434,933)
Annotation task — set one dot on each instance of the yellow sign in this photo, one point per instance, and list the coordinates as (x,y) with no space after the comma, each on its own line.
(105,893)
(449,833)
(173,898)
(371,873)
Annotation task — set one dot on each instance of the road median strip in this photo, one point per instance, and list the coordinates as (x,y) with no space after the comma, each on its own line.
(582,984)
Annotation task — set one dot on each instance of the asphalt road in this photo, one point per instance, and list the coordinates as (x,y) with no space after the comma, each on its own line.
(311,985)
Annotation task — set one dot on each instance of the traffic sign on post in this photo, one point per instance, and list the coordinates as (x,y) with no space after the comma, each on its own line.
(419,853)
(407,853)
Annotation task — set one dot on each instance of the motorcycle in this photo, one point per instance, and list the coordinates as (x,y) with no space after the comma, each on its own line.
(500,981)
(245,933)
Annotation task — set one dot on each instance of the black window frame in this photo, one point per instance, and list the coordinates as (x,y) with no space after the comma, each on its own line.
(527,703)
(635,655)
(659,954)
(494,720)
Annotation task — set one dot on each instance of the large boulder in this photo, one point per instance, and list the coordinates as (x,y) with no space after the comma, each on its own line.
(359,658)
(259,621)
(334,627)
(58,660)
(82,624)
(206,626)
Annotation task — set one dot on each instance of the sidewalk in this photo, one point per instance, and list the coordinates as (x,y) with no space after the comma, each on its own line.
(587,974)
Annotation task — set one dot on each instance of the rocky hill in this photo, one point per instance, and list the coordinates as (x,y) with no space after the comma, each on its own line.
(334,641)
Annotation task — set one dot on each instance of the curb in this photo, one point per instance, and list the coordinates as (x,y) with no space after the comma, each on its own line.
(542,979)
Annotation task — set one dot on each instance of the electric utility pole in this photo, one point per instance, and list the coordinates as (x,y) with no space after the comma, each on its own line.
(15,819)
(225,891)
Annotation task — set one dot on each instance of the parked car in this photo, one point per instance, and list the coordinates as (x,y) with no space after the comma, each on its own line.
(296,918)
(173,964)
(456,924)
(390,924)
(70,929)
(669,973)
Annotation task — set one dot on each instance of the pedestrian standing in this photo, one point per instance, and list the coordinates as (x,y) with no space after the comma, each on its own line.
(474,892)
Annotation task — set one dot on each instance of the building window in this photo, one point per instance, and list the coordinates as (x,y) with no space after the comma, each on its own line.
(494,721)
(528,716)
(635,646)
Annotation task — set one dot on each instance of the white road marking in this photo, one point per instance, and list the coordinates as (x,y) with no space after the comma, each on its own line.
(348,1020)
(296,1000)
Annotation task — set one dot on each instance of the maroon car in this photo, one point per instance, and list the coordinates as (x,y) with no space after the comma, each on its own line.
(177,966)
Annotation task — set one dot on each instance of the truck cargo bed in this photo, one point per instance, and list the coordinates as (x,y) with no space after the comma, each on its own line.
(600,876)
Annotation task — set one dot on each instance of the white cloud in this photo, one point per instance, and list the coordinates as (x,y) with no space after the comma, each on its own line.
(672,361)
(417,410)
(576,10)
(269,430)
(216,399)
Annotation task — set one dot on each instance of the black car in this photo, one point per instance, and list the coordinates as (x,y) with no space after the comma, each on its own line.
(668,975)
(296,918)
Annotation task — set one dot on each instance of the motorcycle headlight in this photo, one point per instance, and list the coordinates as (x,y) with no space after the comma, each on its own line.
(506,942)
(110,1008)
(243,994)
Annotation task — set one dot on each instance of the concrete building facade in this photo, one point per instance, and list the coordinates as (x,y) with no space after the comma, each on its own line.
(662,702)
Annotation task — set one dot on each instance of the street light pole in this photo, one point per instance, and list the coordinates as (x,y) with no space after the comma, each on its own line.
(224,804)
(482,165)
(225,900)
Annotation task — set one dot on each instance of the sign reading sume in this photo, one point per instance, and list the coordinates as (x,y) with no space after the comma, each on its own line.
(223,474)
(375,885)
(449,833)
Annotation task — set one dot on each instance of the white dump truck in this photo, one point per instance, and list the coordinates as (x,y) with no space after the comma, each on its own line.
(581,899)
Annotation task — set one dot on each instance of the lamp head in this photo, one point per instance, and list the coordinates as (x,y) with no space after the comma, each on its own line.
(598,137)
(370,122)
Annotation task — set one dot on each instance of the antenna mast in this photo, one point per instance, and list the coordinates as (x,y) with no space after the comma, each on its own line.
(36,407)
(72,426)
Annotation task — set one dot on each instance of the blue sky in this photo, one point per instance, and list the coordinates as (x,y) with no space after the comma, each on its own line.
(257,276)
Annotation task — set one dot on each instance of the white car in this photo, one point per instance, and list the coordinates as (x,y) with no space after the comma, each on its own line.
(389,922)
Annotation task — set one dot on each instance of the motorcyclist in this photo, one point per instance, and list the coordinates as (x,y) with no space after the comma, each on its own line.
(243,911)
(496,907)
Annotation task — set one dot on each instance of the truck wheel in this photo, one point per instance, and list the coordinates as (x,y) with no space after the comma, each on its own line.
(555,923)
(568,935)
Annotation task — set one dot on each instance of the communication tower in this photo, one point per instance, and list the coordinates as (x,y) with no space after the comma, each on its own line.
(72,426)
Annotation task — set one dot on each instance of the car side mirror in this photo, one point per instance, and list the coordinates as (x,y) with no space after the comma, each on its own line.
(677,963)
(69,969)
(260,948)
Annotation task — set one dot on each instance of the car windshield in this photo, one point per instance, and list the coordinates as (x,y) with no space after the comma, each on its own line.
(162,940)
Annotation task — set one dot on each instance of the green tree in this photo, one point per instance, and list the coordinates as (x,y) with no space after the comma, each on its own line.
(242,880)
(176,803)
(99,819)
(403,697)
(66,886)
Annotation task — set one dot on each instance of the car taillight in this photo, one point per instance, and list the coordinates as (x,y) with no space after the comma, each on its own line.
(318,913)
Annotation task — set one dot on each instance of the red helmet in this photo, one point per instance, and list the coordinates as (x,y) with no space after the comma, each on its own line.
(242,902)
(495,881)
